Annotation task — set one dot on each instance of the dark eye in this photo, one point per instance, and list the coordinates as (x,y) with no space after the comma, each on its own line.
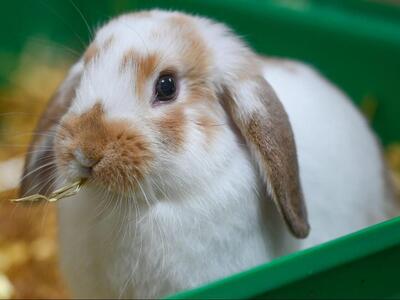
(165,88)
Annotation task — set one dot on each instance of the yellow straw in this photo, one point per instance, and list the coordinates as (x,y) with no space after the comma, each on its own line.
(64,192)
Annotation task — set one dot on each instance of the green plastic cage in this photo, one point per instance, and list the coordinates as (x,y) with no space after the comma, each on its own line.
(355,43)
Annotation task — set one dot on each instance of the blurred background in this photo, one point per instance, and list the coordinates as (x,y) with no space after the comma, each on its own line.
(355,43)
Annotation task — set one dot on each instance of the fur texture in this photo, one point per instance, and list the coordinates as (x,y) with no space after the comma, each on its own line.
(182,193)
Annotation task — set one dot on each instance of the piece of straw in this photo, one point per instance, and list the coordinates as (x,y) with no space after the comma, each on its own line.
(64,192)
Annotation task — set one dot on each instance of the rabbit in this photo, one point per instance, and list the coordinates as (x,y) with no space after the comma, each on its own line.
(202,158)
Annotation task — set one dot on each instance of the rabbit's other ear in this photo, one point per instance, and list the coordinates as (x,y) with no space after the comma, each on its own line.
(262,120)
(39,170)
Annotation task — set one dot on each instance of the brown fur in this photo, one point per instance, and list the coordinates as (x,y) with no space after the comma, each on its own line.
(172,127)
(209,127)
(180,20)
(91,52)
(195,56)
(89,132)
(145,67)
(195,60)
(94,50)
(128,59)
(270,138)
(122,153)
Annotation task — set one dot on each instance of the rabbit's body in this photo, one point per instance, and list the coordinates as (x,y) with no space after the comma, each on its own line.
(191,160)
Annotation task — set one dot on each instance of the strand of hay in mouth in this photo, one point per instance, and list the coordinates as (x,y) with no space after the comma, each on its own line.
(64,192)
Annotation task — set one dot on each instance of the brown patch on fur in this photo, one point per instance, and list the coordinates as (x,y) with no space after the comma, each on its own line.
(91,52)
(94,50)
(195,56)
(40,151)
(209,127)
(199,93)
(90,132)
(128,59)
(270,138)
(180,20)
(172,128)
(145,66)
(122,153)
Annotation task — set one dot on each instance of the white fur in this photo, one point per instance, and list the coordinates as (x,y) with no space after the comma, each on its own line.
(208,218)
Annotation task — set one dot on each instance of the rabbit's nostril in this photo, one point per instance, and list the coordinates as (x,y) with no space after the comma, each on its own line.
(83,160)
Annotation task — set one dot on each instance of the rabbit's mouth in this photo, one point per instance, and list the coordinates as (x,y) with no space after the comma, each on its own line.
(111,154)
(113,171)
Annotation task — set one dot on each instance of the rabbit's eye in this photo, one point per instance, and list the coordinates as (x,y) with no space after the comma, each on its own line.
(165,88)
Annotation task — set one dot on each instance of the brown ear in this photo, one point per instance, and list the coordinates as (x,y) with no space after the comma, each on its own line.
(262,120)
(39,169)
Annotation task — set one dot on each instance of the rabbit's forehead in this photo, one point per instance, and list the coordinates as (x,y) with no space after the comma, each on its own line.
(127,56)
(166,33)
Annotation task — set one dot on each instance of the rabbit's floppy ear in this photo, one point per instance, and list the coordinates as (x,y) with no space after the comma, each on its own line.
(262,120)
(38,175)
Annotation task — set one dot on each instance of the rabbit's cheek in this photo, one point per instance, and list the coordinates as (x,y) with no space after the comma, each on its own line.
(124,163)
(172,128)
(209,128)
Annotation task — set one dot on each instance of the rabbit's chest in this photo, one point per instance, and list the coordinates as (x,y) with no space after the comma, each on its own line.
(123,252)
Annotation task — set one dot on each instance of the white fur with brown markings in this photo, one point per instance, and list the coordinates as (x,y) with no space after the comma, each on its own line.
(201,210)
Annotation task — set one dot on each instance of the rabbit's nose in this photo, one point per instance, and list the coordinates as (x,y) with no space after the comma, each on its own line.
(83,160)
